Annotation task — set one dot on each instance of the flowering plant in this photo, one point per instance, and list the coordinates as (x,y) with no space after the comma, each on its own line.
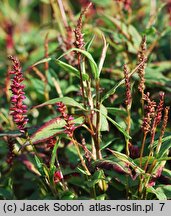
(85,100)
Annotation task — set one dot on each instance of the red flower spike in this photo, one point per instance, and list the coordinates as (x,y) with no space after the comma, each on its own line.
(70,126)
(79,40)
(18,108)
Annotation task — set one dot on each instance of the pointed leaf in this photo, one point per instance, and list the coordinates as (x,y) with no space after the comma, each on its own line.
(159,194)
(117,166)
(53,156)
(103,55)
(71,69)
(89,43)
(166,145)
(167,174)
(96,178)
(68,68)
(48,130)
(104,125)
(117,111)
(127,160)
(122,130)
(42,61)
(17,133)
(39,166)
(112,91)
(93,64)
(165,189)
(66,100)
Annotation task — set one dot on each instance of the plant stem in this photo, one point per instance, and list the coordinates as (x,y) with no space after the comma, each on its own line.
(142,148)
(81,78)
(97,133)
(128,120)
(80,156)
(59,167)
(62,10)
(57,16)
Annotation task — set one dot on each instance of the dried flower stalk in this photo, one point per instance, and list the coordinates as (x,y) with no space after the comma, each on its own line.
(141,70)
(146,126)
(157,118)
(128,99)
(165,120)
(150,113)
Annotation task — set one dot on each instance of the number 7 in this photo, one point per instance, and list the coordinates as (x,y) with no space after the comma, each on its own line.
(162,205)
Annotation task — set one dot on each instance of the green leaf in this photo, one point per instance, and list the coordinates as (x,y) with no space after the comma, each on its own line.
(165,189)
(159,194)
(112,90)
(104,126)
(38,85)
(107,144)
(166,145)
(160,67)
(121,26)
(47,130)
(45,1)
(94,68)
(53,156)
(17,133)
(66,100)
(78,121)
(117,166)
(127,160)
(89,43)
(68,68)
(167,174)
(71,69)
(6,194)
(114,123)
(136,39)
(42,61)
(39,166)
(144,160)
(116,111)
(103,3)
(157,77)
(121,129)
(103,55)
(96,178)
(67,195)
(81,171)
(116,169)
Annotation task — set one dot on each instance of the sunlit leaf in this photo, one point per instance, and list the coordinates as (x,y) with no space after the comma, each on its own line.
(66,100)
(94,68)
(159,193)
(47,130)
